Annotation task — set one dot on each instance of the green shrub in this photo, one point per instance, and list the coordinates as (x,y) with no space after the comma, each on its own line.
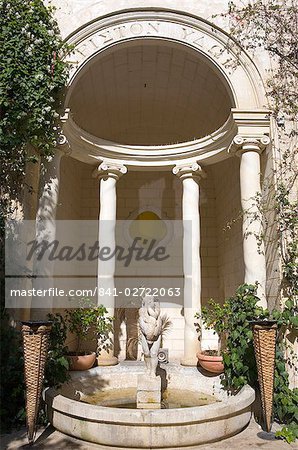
(233,318)
(56,371)
(289,433)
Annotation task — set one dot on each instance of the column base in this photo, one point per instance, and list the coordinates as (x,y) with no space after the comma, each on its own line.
(190,362)
(107,360)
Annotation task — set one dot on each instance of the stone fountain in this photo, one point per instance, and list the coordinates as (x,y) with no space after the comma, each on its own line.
(124,406)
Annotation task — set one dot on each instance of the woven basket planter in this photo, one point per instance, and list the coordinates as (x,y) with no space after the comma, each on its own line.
(35,342)
(264,339)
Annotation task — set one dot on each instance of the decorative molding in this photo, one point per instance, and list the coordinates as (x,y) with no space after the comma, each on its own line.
(253,131)
(189,170)
(130,27)
(155,23)
(88,148)
(62,142)
(63,145)
(109,169)
(251,126)
(242,144)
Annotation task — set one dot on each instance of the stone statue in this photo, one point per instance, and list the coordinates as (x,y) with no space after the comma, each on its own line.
(150,323)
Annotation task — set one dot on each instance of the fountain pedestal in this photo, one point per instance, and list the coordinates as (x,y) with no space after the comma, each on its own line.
(148,392)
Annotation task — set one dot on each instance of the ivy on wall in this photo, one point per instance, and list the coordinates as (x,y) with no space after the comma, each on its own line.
(232,319)
(32,78)
(272,27)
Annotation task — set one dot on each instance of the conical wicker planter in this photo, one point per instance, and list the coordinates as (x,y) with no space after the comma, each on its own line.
(35,343)
(264,338)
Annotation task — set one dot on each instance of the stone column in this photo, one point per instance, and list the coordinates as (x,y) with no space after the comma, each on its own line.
(189,175)
(249,151)
(108,173)
(46,226)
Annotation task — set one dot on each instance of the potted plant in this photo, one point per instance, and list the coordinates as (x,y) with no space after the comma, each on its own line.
(84,322)
(213,317)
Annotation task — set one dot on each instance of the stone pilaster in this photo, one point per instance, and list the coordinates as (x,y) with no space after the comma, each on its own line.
(46,225)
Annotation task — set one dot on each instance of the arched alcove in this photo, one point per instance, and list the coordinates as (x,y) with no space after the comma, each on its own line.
(150,92)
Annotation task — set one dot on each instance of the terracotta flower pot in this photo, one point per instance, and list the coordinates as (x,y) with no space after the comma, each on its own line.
(81,362)
(211,363)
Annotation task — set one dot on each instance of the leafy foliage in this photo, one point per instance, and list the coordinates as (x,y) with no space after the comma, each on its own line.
(233,318)
(87,319)
(213,317)
(289,433)
(32,79)
(272,26)
(57,365)
(285,399)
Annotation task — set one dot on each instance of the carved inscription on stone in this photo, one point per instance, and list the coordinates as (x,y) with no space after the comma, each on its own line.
(208,43)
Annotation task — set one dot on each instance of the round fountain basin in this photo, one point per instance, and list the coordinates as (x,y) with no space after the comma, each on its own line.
(215,417)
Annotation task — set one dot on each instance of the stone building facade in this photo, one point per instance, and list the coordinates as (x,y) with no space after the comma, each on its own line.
(165,113)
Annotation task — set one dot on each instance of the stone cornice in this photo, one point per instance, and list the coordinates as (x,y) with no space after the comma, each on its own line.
(253,131)
(89,149)
(190,170)
(109,169)
(243,130)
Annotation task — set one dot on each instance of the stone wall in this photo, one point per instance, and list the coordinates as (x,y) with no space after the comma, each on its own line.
(70,193)
(160,192)
(268,164)
(229,226)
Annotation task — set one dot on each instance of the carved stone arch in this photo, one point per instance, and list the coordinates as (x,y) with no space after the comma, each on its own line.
(236,67)
(230,65)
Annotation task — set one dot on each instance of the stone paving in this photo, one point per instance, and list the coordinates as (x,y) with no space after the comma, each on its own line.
(47,438)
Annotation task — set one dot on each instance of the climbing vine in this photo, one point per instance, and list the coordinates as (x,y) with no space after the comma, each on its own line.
(233,319)
(272,27)
(32,79)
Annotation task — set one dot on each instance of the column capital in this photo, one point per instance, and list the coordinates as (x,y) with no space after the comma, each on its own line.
(62,143)
(189,170)
(242,144)
(109,169)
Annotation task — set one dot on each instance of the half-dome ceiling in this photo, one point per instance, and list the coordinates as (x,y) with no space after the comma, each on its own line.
(150,94)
